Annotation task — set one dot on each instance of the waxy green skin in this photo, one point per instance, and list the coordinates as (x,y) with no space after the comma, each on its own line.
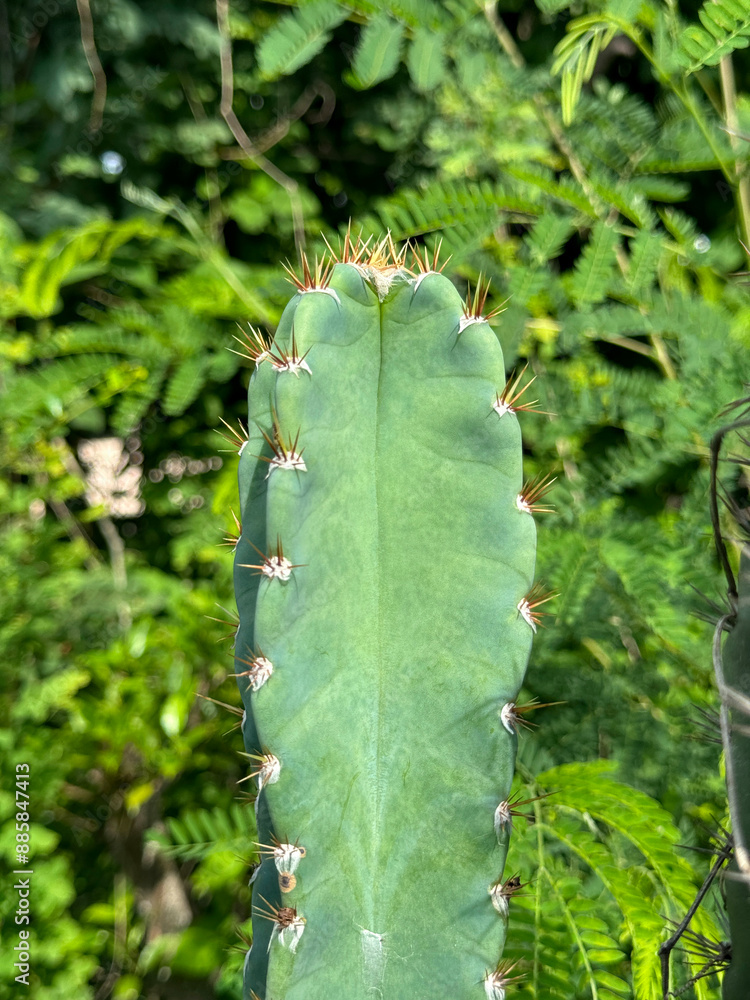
(736,666)
(395,643)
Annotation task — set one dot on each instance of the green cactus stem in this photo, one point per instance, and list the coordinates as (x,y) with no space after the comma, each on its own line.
(736,670)
(384,581)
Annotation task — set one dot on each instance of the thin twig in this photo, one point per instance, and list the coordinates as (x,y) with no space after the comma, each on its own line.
(666,949)
(92,58)
(273,135)
(507,41)
(243,140)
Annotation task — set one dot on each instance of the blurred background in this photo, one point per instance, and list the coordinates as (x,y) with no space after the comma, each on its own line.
(591,159)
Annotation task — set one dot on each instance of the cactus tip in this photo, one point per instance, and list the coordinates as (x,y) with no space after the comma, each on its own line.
(424,265)
(315,278)
(352,250)
(385,256)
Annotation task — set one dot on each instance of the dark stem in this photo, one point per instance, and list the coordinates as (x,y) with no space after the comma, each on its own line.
(666,949)
(721,549)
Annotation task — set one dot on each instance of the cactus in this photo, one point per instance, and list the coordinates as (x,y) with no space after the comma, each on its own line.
(384,581)
(736,699)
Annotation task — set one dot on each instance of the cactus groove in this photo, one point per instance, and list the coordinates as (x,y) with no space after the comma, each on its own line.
(384,581)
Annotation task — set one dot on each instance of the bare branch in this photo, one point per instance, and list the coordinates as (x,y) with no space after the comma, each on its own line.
(243,140)
(92,58)
(267,139)
(666,949)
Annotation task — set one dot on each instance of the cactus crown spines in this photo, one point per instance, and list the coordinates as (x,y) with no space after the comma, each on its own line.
(421,260)
(315,278)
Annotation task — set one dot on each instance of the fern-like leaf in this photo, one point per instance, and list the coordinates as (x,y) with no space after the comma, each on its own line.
(593,271)
(726,27)
(426,59)
(199,832)
(377,56)
(576,57)
(645,253)
(298,37)
(184,385)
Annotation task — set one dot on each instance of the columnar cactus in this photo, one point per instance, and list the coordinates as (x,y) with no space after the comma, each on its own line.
(736,695)
(384,578)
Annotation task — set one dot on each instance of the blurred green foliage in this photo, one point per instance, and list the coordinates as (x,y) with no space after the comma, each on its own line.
(130,248)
